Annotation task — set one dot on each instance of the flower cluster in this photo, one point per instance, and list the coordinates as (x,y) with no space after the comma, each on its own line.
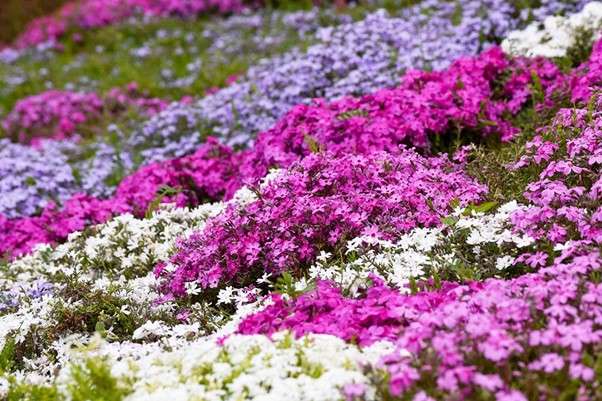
(61,114)
(56,112)
(317,204)
(184,182)
(352,59)
(567,194)
(52,225)
(372,122)
(474,244)
(99,166)
(215,171)
(316,367)
(112,262)
(96,13)
(31,177)
(180,129)
(469,96)
(382,313)
(500,336)
(412,234)
(128,244)
(556,35)
(540,328)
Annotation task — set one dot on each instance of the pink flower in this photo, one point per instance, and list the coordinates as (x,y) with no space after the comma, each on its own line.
(511,395)
(332,198)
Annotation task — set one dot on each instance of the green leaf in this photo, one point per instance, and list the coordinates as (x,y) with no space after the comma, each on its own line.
(538,93)
(92,381)
(7,356)
(161,194)
(481,208)
(456,18)
(485,206)
(312,144)
(436,280)
(489,123)
(100,327)
(449,221)
(352,113)
(454,203)
(413,286)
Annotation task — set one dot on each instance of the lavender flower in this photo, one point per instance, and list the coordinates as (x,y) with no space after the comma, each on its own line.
(349,59)
(30,177)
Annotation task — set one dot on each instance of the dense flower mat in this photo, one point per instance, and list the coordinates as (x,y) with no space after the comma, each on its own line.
(350,203)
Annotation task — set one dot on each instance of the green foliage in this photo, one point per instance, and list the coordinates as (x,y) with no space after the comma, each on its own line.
(490,168)
(92,381)
(456,18)
(289,4)
(285,284)
(95,311)
(395,5)
(313,145)
(163,192)
(480,208)
(580,52)
(7,356)
(31,392)
(489,165)
(352,113)
(89,381)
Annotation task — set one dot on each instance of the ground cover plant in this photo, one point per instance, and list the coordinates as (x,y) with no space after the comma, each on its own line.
(228,200)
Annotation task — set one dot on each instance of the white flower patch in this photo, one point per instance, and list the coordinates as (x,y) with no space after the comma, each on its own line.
(425,250)
(151,329)
(504,262)
(151,338)
(130,242)
(491,228)
(556,35)
(29,315)
(115,259)
(315,367)
(124,244)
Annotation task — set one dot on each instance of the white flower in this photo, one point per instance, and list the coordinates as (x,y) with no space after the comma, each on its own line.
(312,368)
(301,284)
(150,328)
(522,241)
(244,196)
(4,387)
(423,249)
(270,177)
(557,34)
(265,278)
(353,245)
(226,296)
(192,288)
(323,256)
(504,262)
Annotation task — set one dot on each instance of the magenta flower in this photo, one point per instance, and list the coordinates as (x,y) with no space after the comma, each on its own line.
(315,205)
